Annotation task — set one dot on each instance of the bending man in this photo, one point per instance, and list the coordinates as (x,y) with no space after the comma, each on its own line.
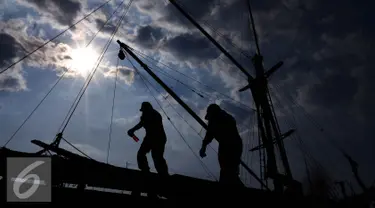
(154,140)
(223,128)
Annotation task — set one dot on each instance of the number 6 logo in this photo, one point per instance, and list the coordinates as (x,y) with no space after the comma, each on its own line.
(22,178)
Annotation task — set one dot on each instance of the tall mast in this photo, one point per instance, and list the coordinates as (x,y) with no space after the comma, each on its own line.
(262,99)
(178,99)
(253,26)
(267,122)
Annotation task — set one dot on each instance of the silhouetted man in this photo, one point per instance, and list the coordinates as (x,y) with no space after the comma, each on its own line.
(223,128)
(154,140)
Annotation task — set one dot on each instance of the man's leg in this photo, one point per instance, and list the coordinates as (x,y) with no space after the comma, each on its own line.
(229,167)
(157,154)
(141,156)
(142,162)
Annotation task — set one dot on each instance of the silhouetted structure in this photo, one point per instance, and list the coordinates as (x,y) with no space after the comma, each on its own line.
(223,128)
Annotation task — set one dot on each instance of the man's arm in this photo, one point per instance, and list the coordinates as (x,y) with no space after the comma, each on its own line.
(135,128)
(207,140)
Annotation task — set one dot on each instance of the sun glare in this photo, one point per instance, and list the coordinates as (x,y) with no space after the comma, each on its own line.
(83,60)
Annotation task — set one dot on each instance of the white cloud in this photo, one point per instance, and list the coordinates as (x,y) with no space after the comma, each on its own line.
(126,121)
(125,74)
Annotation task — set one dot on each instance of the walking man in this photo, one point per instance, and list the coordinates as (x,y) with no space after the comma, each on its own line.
(154,140)
(223,128)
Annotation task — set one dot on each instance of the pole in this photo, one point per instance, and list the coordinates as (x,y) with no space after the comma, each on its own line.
(181,102)
(212,40)
(253,26)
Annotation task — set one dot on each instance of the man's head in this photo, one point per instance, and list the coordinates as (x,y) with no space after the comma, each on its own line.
(212,111)
(146,106)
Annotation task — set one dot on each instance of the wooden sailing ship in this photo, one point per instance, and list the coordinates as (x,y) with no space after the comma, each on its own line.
(72,169)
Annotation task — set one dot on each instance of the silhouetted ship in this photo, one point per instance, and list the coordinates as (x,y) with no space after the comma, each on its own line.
(77,178)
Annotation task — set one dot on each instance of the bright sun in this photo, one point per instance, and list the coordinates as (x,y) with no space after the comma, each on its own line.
(83,60)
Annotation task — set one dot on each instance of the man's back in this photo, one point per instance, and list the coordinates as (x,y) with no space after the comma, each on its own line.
(153,123)
(225,130)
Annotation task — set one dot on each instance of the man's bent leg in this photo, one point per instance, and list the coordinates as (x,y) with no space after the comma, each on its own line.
(142,163)
(157,153)
(141,156)
(229,168)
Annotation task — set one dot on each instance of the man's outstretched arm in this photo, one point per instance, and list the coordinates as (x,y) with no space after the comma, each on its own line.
(135,128)
(207,140)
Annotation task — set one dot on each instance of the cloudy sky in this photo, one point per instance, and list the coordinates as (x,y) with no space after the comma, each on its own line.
(323,90)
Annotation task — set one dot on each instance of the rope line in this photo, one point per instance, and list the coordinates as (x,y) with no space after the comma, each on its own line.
(50,40)
(97,66)
(312,120)
(189,77)
(76,148)
(35,109)
(169,119)
(56,83)
(77,97)
(113,107)
(310,160)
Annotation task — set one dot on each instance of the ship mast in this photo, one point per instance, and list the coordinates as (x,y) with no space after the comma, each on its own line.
(267,122)
(270,116)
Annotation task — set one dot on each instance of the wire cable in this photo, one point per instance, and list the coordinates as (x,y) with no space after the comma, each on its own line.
(56,83)
(76,148)
(310,160)
(113,107)
(50,40)
(189,77)
(97,66)
(35,109)
(312,120)
(87,78)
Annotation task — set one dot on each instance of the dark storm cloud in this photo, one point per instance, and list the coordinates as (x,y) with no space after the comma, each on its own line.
(185,47)
(330,93)
(191,47)
(10,48)
(148,36)
(196,8)
(15,43)
(12,82)
(63,11)
(108,28)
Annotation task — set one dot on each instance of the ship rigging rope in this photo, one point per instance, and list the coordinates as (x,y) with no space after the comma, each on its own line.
(144,79)
(100,58)
(189,77)
(311,119)
(76,148)
(311,161)
(54,38)
(57,82)
(200,93)
(113,107)
(296,136)
(207,97)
